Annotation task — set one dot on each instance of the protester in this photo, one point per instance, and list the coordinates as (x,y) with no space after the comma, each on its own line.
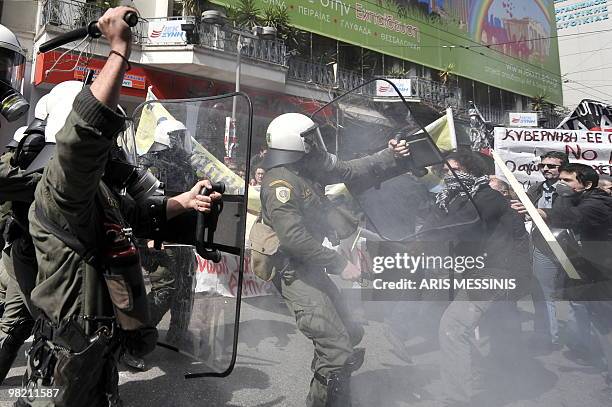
(605,184)
(587,211)
(492,231)
(545,268)
(258,176)
(499,185)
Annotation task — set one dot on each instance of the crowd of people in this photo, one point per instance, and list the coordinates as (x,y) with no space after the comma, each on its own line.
(475,213)
(72,276)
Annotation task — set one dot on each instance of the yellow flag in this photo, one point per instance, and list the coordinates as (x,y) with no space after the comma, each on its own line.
(442,131)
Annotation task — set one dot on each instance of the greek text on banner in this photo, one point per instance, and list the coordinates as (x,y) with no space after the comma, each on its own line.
(521,149)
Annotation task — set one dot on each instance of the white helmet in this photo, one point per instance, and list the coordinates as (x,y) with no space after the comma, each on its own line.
(290,136)
(40,111)
(59,105)
(55,108)
(171,133)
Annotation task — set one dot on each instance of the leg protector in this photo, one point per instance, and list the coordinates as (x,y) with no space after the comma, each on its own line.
(11,343)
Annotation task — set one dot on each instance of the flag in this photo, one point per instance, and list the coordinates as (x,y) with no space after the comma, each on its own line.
(442,131)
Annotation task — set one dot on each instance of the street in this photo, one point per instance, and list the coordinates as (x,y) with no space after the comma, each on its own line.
(272,368)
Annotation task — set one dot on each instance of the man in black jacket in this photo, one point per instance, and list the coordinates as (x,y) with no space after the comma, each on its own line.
(491,235)
(587,211)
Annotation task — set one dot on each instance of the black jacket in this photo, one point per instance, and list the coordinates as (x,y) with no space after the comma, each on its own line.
(590,217)
(495,229)
(535,193)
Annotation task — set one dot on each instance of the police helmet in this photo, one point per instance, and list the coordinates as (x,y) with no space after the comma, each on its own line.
(290,137)
(55,108)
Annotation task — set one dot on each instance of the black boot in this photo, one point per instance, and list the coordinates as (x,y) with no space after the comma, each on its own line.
(8,354)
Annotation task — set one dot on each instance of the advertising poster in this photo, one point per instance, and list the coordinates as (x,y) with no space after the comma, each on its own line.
(505,43)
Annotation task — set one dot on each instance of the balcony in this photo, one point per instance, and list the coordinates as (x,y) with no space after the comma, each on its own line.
(202,50)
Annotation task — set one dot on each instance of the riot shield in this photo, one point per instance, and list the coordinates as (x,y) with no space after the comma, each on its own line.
(401,208)
(181,142)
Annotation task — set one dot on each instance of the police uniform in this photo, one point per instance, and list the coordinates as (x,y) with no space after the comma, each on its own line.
(19,261)
(294,205)
(76,337)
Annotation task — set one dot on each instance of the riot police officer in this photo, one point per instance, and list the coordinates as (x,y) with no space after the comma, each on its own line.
(295,207)
(17,192)
(90,288)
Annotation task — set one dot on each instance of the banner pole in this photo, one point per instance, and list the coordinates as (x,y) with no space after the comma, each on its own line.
(554,245)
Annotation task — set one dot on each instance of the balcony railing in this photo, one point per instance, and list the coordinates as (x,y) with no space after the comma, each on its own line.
(68,15)
(323,75)
(213,37)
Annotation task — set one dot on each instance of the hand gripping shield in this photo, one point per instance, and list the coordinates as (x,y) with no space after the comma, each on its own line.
(181,142)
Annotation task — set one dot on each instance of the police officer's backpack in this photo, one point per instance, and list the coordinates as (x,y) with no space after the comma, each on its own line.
(266,259)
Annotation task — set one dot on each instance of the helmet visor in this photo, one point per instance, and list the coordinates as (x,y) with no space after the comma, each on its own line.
(312,139)
(12,68)
(126,140)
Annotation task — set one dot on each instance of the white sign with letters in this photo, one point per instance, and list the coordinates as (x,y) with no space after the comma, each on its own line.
(523,119)
(166,32)
(383,88)
(521,148)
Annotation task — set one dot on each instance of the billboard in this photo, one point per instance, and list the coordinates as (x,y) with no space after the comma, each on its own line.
(504,43)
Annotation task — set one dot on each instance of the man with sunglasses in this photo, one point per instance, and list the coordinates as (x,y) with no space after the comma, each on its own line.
(545,268)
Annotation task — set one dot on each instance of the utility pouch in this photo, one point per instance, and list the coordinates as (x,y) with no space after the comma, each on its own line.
(341,221)
(266,259)
(124,279)
(75,374)
(78,375)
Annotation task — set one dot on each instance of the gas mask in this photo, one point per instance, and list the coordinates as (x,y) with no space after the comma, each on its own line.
(12,67)
(124,176)
(566,191)
(123,173)
(12,104)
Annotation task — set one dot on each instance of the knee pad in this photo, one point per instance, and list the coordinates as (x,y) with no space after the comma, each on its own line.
(355,361)
(356,333)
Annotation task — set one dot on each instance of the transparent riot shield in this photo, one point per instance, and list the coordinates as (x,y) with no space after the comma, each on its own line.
(402,207)
(196,274)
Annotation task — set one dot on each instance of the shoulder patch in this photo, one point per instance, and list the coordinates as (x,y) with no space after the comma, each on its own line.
(283,194)
(280,182)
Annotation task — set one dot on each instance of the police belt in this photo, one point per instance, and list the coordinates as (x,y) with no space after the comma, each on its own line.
(68,335)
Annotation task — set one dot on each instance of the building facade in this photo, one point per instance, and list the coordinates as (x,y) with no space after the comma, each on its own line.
(583,28)
(494,53)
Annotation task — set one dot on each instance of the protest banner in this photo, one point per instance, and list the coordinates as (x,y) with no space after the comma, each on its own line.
(589,115)
(222,278)
(521,148)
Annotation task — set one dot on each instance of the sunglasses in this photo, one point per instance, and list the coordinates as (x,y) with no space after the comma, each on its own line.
(549,166)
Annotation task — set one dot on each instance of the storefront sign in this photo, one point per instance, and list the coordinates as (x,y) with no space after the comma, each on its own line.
(523,119)
(383,88)
(509,44)
(166,32)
